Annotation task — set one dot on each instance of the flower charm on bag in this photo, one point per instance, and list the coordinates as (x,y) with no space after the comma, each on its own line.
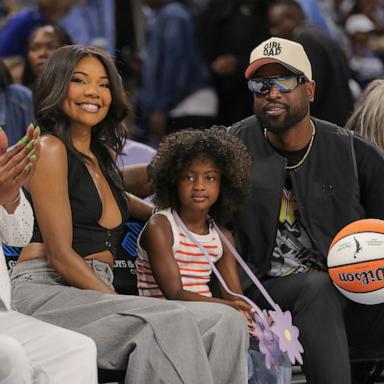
(287,334)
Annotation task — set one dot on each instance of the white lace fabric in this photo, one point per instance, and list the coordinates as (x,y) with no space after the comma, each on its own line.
(15,230)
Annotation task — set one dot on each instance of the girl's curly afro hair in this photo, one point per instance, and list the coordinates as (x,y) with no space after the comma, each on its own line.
(179,149)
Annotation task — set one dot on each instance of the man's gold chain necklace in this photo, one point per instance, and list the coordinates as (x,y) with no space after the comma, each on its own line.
(290,167)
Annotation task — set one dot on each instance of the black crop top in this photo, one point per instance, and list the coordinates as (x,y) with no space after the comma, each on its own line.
(88,236)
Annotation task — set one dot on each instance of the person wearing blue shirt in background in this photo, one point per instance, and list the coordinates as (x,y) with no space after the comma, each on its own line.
(176,92)
(14,35)
(92,22)
(16,108)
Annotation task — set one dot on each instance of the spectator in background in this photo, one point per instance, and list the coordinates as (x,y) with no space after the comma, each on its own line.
(317,16)
(176,92)
(331,72)
(228,31)
(368,118)
(43,41)
(373,9)
(16,109)
(15,65)
(364,63)
(92,22)
(14,36)
(129,24)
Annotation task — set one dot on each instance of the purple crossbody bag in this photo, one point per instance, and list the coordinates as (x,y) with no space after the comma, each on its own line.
(275,339)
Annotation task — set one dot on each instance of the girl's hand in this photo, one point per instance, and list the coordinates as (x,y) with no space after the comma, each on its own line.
(246,310)
(17,164)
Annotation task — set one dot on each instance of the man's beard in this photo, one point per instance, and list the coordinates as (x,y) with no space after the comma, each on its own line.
(280,126)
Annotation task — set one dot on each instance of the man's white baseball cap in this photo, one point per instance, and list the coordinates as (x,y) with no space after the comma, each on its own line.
(277,50)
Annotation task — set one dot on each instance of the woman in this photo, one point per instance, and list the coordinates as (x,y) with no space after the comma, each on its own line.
(64,276)
(42,42)
(368,117)
(32,351)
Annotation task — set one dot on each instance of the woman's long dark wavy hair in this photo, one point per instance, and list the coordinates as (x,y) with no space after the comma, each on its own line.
(178,150)
(50,91)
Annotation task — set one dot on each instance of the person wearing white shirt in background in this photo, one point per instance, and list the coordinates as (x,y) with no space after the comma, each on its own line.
(32,351)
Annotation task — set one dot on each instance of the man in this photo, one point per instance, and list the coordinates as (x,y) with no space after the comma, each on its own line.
(310,179)
(330,68)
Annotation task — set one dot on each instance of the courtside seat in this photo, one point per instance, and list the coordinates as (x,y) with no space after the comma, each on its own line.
(111,376)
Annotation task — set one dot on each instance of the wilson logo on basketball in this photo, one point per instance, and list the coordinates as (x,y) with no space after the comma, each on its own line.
(366,277)
(360,277)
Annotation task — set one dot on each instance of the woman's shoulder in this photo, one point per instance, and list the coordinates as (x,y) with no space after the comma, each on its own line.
(51,142)
(52,148)
(52,165)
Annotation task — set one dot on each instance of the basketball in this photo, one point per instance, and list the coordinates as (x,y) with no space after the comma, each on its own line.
(356,261)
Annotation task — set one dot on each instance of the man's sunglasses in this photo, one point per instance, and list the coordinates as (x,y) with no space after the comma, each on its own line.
(284,84)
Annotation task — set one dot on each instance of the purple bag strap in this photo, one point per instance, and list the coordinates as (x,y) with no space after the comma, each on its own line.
(261,314)
(245,266)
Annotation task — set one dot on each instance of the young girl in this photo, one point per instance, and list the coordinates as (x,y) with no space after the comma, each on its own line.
(200,175)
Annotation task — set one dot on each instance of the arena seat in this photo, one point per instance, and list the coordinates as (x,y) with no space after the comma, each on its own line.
(111,376)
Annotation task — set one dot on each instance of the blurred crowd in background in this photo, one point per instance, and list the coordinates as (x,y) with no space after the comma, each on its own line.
(183,62)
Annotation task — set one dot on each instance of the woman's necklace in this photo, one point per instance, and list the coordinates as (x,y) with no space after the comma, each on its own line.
(290,167)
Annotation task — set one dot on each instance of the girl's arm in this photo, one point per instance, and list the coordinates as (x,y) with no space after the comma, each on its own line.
(49,190)
(157,240)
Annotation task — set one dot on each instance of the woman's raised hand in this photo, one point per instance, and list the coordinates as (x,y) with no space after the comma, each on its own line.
(17,164)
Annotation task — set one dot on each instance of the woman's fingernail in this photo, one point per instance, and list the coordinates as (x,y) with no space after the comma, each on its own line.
(37,129)
(33,152)
(30,144)
(24,140)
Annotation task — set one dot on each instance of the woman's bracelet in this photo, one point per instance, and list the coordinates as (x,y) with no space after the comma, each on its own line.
(13,201)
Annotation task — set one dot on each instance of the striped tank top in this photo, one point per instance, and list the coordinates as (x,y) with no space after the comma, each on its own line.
(194,269)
